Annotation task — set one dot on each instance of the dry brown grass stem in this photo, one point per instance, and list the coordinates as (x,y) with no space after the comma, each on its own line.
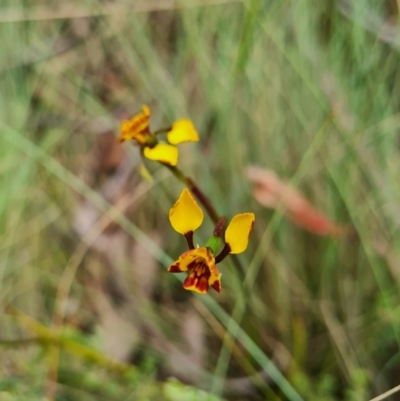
(72,11)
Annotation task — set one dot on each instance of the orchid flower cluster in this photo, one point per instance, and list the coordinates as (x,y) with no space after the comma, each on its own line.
(138,129)
(186,215)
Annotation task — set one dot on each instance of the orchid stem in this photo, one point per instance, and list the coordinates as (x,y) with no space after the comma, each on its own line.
(162,131)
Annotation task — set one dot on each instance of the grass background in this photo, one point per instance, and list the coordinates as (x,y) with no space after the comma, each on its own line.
(261,80)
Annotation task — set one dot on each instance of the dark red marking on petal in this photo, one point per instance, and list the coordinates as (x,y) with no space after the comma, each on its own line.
(192,265)
(190,280)
(202,284)
(251,227)
(217,286)
(175,268)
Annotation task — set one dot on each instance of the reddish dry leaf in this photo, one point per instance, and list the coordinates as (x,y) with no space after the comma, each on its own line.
(271,192)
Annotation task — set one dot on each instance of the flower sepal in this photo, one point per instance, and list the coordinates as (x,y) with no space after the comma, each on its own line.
(182,131)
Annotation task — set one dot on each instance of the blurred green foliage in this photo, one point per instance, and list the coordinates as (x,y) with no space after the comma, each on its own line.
(307,89)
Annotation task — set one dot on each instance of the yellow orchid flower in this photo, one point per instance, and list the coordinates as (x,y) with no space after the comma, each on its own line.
(200,263)
(138,129)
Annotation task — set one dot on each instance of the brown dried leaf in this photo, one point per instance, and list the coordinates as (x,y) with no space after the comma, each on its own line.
(272,192)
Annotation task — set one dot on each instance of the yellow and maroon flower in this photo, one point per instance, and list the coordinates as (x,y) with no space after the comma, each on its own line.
(200,263)
(138,129)
(201,268)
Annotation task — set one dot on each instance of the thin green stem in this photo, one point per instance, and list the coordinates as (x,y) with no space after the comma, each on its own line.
(162,131)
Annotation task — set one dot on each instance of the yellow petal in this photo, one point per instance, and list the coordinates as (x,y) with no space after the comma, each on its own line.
(238,232)
(163,152)
(186,215)
(182,131)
